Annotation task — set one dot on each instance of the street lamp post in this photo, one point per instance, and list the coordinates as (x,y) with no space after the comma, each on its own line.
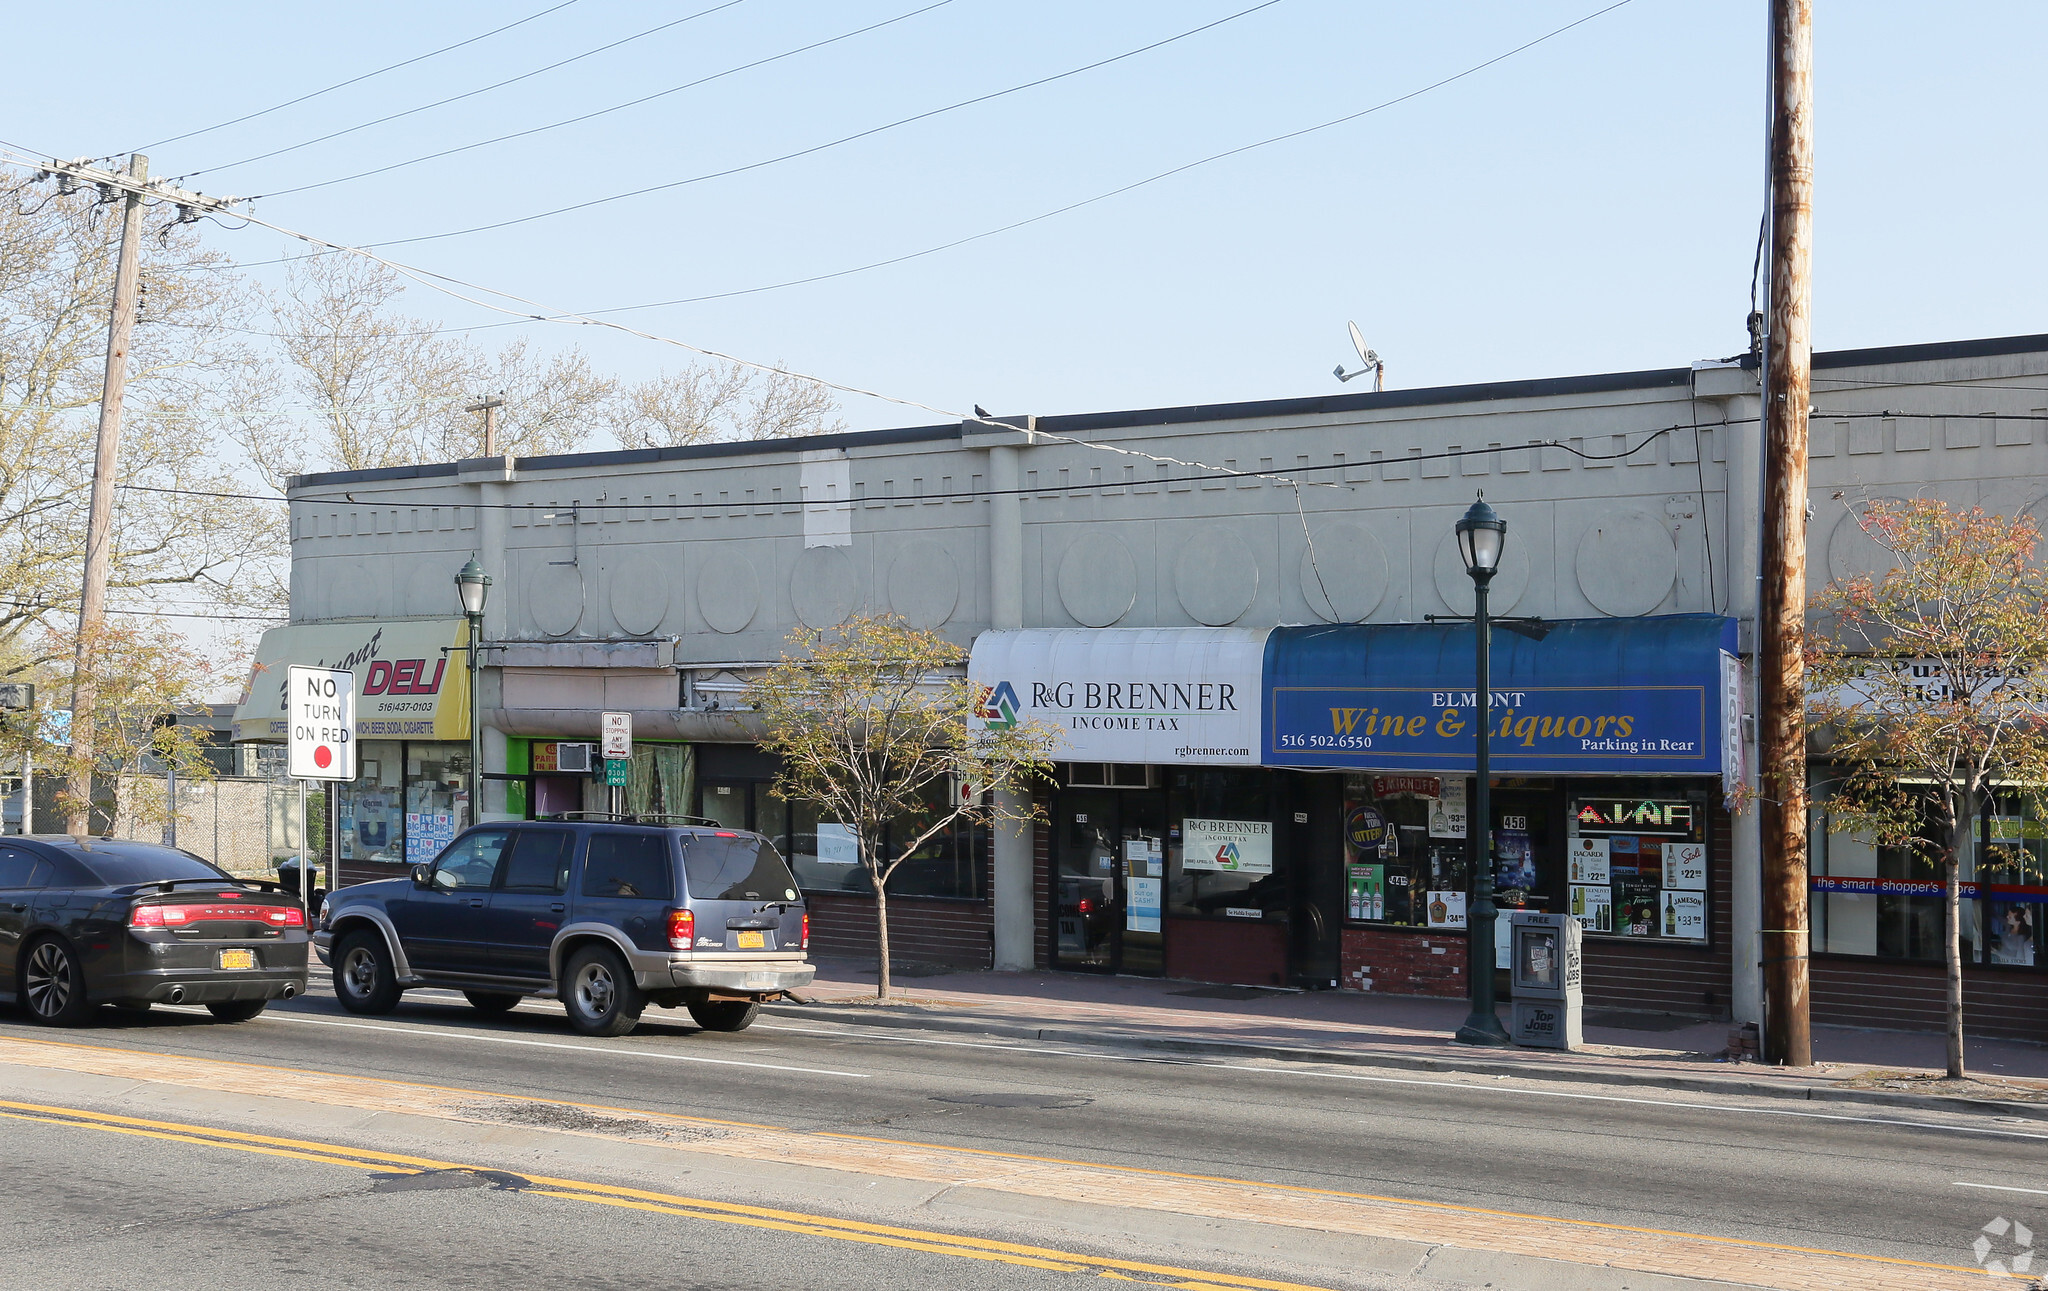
(1481,537)
(472,585)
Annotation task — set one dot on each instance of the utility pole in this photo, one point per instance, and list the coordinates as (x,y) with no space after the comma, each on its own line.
(134,185)
(99,536)
(488,406)
(1781,612)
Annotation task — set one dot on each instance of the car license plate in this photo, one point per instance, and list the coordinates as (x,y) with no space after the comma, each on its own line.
(753,941)
(238,959)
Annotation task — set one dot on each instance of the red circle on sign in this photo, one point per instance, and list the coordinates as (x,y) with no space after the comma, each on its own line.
(323,757)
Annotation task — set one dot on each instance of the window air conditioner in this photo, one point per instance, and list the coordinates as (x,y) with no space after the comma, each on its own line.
(573,757)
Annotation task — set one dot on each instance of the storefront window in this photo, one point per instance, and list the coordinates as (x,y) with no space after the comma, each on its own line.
(2015,877)
(1219,851)
(825,859)
(370,810)
(662,780)
(1636,861)
(436,797)
(1889,901)
(1406,858)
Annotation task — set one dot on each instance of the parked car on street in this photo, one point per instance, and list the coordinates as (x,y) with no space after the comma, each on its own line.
(607,915)
(86,922)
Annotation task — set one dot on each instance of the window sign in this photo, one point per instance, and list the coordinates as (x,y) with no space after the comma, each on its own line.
(837,845)
(1587,862)
(1593,907)
(1685,866)
(1238,846)
(1447,814)
(1447,909)
(1685,914)
(1368,888)
(1143,898)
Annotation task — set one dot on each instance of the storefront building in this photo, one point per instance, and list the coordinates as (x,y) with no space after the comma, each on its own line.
(1265,547)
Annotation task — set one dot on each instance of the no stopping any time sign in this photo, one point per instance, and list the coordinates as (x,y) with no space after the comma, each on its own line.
(321,710)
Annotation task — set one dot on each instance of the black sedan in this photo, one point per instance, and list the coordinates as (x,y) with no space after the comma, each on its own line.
(86,922)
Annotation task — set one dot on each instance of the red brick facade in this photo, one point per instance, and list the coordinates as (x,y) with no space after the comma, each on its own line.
(922,930)
(1387,961)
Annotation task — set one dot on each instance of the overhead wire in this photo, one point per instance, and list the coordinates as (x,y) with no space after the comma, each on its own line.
(843,139)
(353,80)
(616,107)
(467,94)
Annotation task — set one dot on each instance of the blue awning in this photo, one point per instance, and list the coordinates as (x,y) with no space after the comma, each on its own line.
(1645,696)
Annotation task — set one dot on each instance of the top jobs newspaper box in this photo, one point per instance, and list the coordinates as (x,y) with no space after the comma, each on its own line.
(1545,959)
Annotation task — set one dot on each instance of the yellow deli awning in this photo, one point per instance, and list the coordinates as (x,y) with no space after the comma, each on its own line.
(410,685)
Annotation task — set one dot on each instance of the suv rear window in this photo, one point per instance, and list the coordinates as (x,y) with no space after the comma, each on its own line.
(628,865)
(736,868)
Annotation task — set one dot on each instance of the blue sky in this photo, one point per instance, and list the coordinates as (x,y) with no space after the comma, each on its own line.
(1589,204)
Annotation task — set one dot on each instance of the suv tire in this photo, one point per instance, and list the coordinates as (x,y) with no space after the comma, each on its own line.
(725,1015)
(365,980)
(53,985)
(236,1010)
(600,994)
(492,1001)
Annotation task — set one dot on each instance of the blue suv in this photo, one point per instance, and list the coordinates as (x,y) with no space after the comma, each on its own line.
(606,915)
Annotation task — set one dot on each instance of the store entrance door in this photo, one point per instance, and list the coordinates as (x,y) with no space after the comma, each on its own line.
(1109,881)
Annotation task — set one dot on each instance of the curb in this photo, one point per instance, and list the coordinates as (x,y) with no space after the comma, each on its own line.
(868,1015)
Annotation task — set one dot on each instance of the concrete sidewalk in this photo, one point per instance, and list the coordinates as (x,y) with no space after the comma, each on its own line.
(1391,1031)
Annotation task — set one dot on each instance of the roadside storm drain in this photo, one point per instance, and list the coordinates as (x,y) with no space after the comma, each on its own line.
(562,1116)
(1047,1102)
(441,1180)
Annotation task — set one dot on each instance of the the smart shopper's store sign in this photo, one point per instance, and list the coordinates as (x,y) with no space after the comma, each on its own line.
(1603,696)
(1161,696)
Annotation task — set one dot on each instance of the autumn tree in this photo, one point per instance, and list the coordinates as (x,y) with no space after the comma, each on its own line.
(1925,688)
(876,727)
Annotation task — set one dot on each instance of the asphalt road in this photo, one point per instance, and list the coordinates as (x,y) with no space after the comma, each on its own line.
(1908,1185)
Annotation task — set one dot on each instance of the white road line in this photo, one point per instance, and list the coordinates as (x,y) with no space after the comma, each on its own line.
(442,1033)
(1523,1090)
(1999,1187)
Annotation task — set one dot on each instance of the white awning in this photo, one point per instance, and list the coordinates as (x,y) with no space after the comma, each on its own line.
(1159,696)
(409,683)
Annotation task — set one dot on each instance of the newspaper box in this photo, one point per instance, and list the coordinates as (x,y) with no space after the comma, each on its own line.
(1544,961)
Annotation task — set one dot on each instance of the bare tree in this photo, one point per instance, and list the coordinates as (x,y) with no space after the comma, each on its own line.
(716,400)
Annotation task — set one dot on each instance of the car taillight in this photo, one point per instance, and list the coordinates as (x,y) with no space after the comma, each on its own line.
(1086,905)
(807,933)
(156,916)
(289,916)
(682,929)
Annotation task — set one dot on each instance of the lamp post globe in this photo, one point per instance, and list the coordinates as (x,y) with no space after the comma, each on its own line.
(472,585)
(1482,535)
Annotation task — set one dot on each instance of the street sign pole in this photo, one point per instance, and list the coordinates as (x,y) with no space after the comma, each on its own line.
(616,730)
(320,745)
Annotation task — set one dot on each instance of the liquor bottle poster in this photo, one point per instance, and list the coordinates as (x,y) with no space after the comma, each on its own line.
(1368,891)
(1640,908)
(1587,861)
(1593,907)
(1685,914)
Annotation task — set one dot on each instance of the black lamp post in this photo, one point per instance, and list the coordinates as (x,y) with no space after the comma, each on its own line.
(473,585)
(1481,537)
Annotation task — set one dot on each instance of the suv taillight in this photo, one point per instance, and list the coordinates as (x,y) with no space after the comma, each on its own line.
(682,929)
(807,931)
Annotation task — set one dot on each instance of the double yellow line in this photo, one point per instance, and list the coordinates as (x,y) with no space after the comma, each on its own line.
(660,1203)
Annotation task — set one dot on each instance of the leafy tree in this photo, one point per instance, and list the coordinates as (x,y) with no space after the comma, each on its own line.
(873,725)
(1927,688)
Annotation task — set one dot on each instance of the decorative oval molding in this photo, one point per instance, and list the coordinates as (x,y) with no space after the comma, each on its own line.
(924,583)
(639,594)
(1343,573)
(1215,576)
(1626,563)
(1098,580)
(823,587)
(1454,585)
(358,589)
(1852,552)
(728,591)
(555,593)
(429,588)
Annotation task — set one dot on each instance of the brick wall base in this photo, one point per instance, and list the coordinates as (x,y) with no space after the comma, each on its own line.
(1403,963)
(954,934)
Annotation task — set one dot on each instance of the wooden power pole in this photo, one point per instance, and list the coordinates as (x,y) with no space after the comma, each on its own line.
(1781,613)
(488,406)
(99,525)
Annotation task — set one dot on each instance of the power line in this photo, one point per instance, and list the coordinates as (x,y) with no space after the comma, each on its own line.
(617,107)
(843,139)
(469,94)
(191,134)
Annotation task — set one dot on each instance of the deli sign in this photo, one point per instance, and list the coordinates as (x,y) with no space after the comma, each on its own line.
(406,686)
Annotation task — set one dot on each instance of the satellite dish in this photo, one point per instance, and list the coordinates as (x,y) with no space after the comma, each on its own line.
(1365,355)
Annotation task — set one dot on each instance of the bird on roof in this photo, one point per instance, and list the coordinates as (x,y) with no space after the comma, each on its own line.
(980,411)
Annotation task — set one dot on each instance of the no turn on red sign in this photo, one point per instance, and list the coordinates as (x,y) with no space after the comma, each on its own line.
(320,706)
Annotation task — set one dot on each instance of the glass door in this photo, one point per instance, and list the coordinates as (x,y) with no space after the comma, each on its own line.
(1109,881)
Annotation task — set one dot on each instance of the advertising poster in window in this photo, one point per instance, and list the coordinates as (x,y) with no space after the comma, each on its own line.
(1685,867)
(1447,813)
(1514,865)
(1447,910)
(1586,861)
(1638,907)
(1685,915)
(2014,934)
(1234,846)
(1142,901)
(836,845)
(1368,888)
(1593,907)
